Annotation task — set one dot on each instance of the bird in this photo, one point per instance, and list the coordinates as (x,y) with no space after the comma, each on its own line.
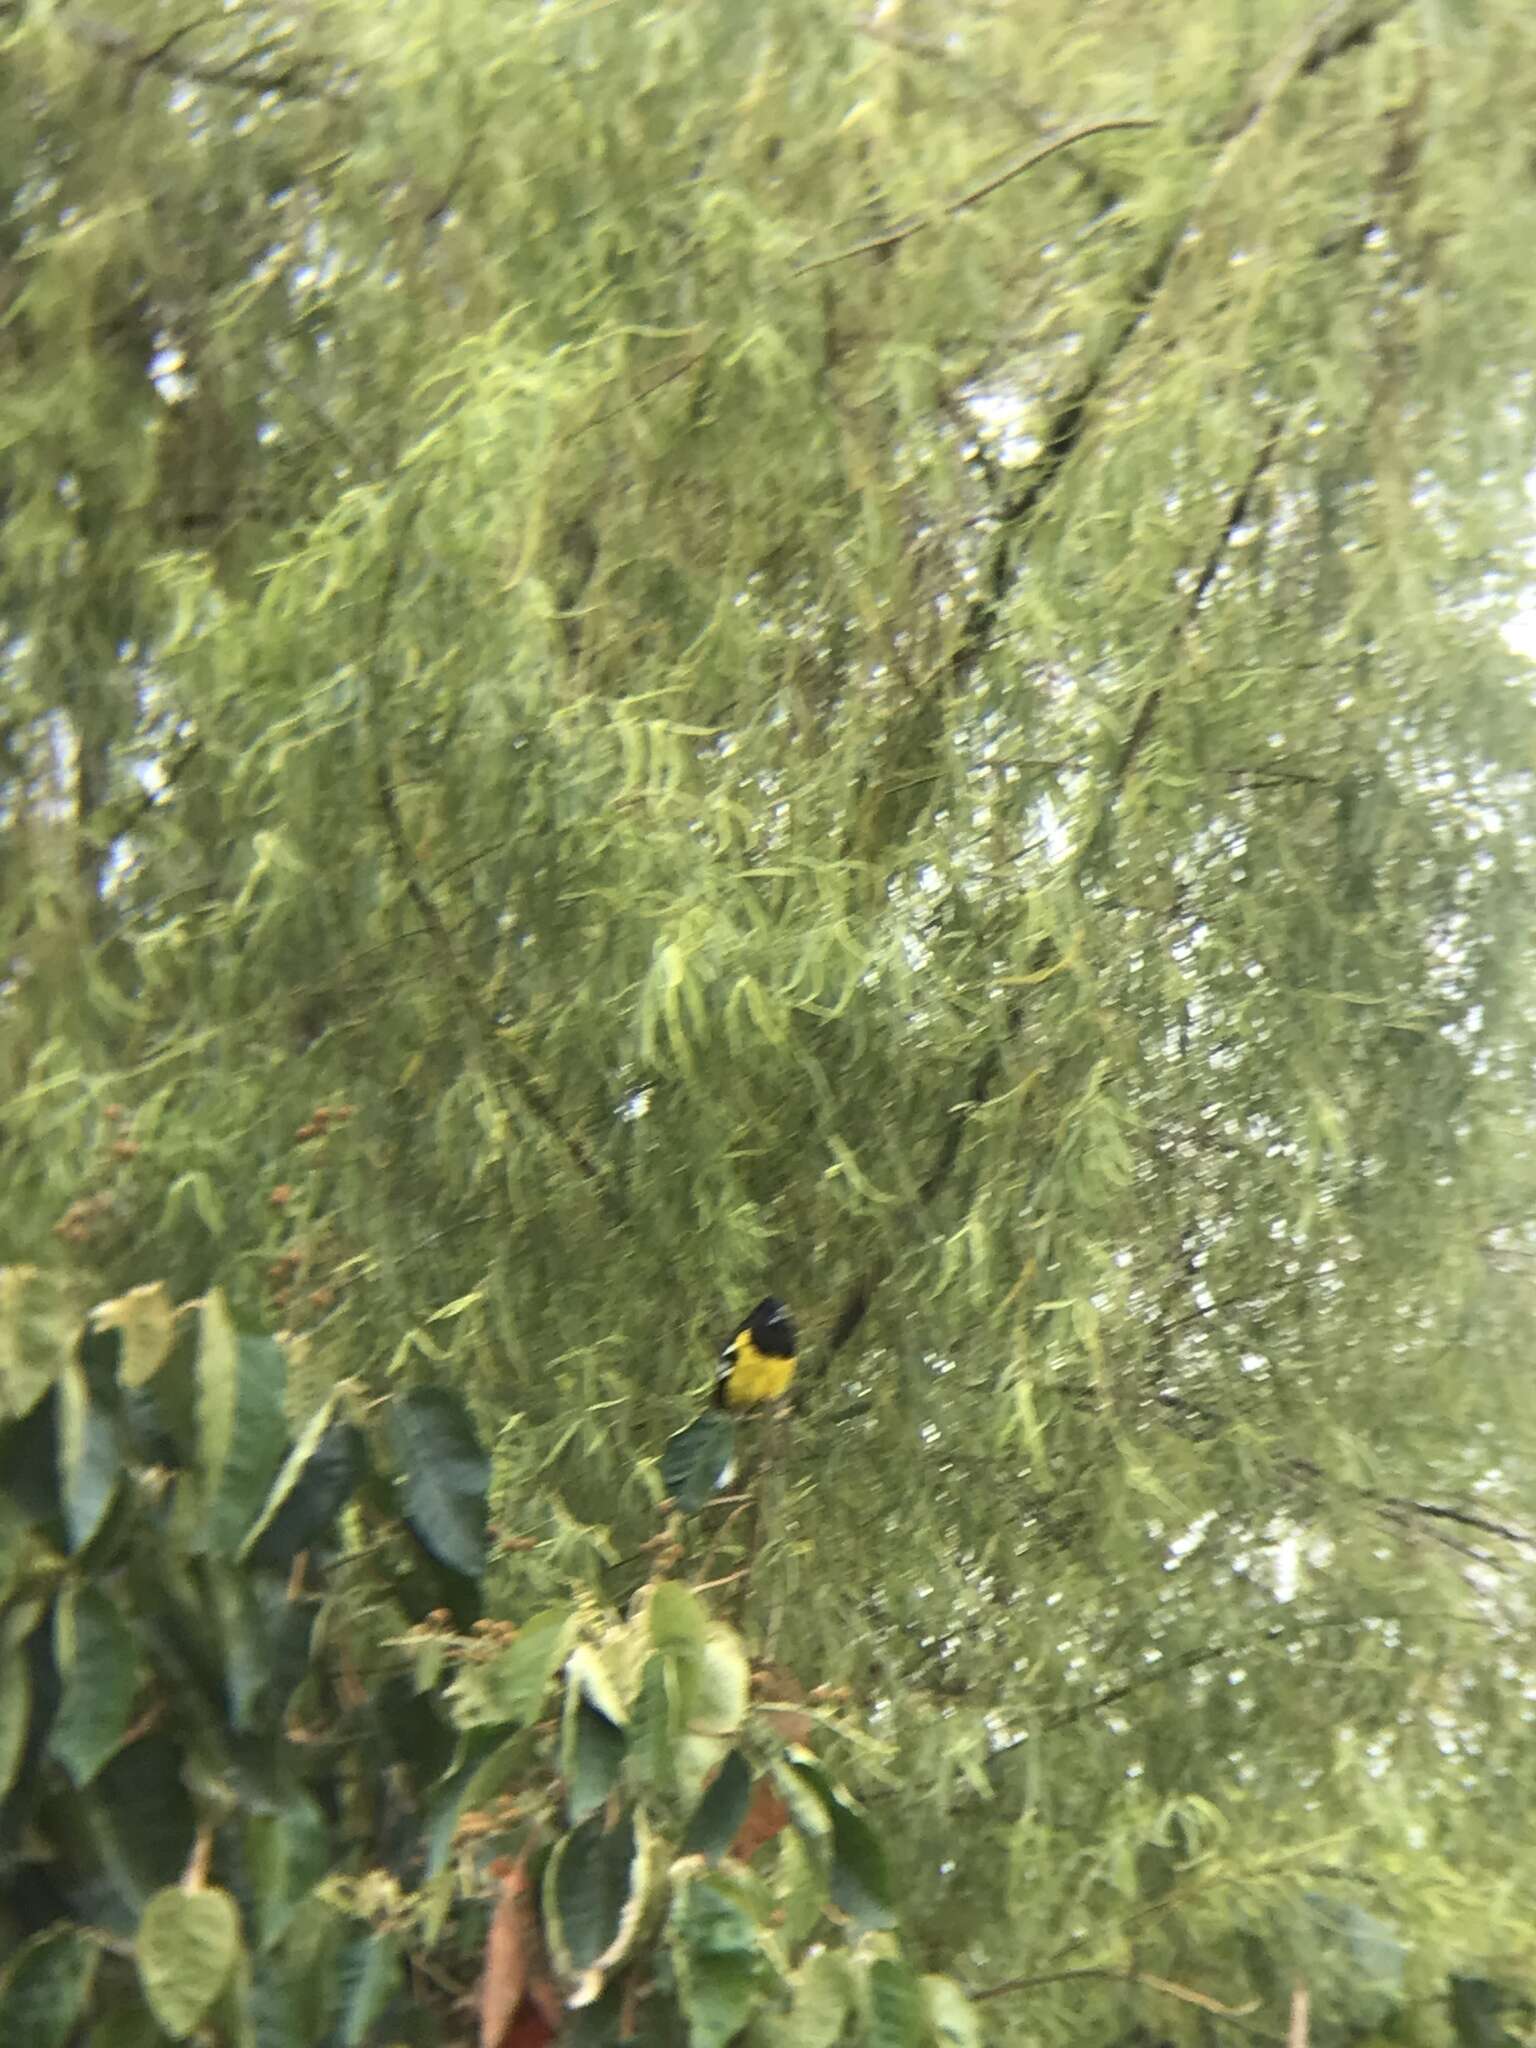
(757,1360)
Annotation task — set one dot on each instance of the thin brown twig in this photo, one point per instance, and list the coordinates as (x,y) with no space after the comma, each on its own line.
(242,73)
(494,1054)
(1185,1993)
(877,244)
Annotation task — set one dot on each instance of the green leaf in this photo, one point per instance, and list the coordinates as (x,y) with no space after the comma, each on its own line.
(676,1617)
(719,1688)
(146,1322)
(316,1480)
(895,2005)
(29,1466)
(952,2020)
(592,1755)
(1477,2008)
(15,1712)
(444,1476)
(36,1336)
(696,1461)
(131,2026)
(653,1726)
(722,1970)
(823,1996)
(216,1374)
(719,1814)
(369,1971)
(97,1655)
(89,1461)
(861,1879)
(508,1689)
(257,1441)
(490,1767)
(186,1948)
(45,1987)
(588,1888)
(287,1853)
(145,1822)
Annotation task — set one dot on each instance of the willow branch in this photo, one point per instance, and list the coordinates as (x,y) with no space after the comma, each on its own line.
(877,244)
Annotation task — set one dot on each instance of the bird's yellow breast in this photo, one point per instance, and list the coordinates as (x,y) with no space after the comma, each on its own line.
(754,1375)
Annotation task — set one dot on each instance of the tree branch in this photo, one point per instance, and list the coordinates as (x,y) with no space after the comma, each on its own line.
(878,244)
(248,72)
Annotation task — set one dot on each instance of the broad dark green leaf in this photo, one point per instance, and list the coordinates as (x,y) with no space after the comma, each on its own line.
(895,2005)
(592,1757)
(719,1814)
(98,1659)
(861,1879)
(696,1460)
(315,1483)
(587,1888)
(444,1475)
(265,1635)
(144,1817)
(1477,2013)
(44,1988)
(29,1467)
(287,1853)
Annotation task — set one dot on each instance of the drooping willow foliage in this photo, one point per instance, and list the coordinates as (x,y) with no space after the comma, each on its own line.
(649,655)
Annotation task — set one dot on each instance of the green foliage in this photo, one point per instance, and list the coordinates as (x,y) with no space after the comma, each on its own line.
(251,1783)
(644,659)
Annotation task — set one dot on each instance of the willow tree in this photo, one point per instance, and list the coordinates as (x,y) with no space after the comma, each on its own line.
(658,654)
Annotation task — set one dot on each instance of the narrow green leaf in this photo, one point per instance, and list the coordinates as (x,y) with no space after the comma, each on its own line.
(15,1712)
(369,1972)
(696,1460)
(186,1948)
(216,1372)
(257,1442)
(97,1656)
(88,1457)
(444,1476)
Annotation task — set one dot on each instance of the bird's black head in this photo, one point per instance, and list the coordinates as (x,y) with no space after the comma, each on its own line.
(772,1328)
